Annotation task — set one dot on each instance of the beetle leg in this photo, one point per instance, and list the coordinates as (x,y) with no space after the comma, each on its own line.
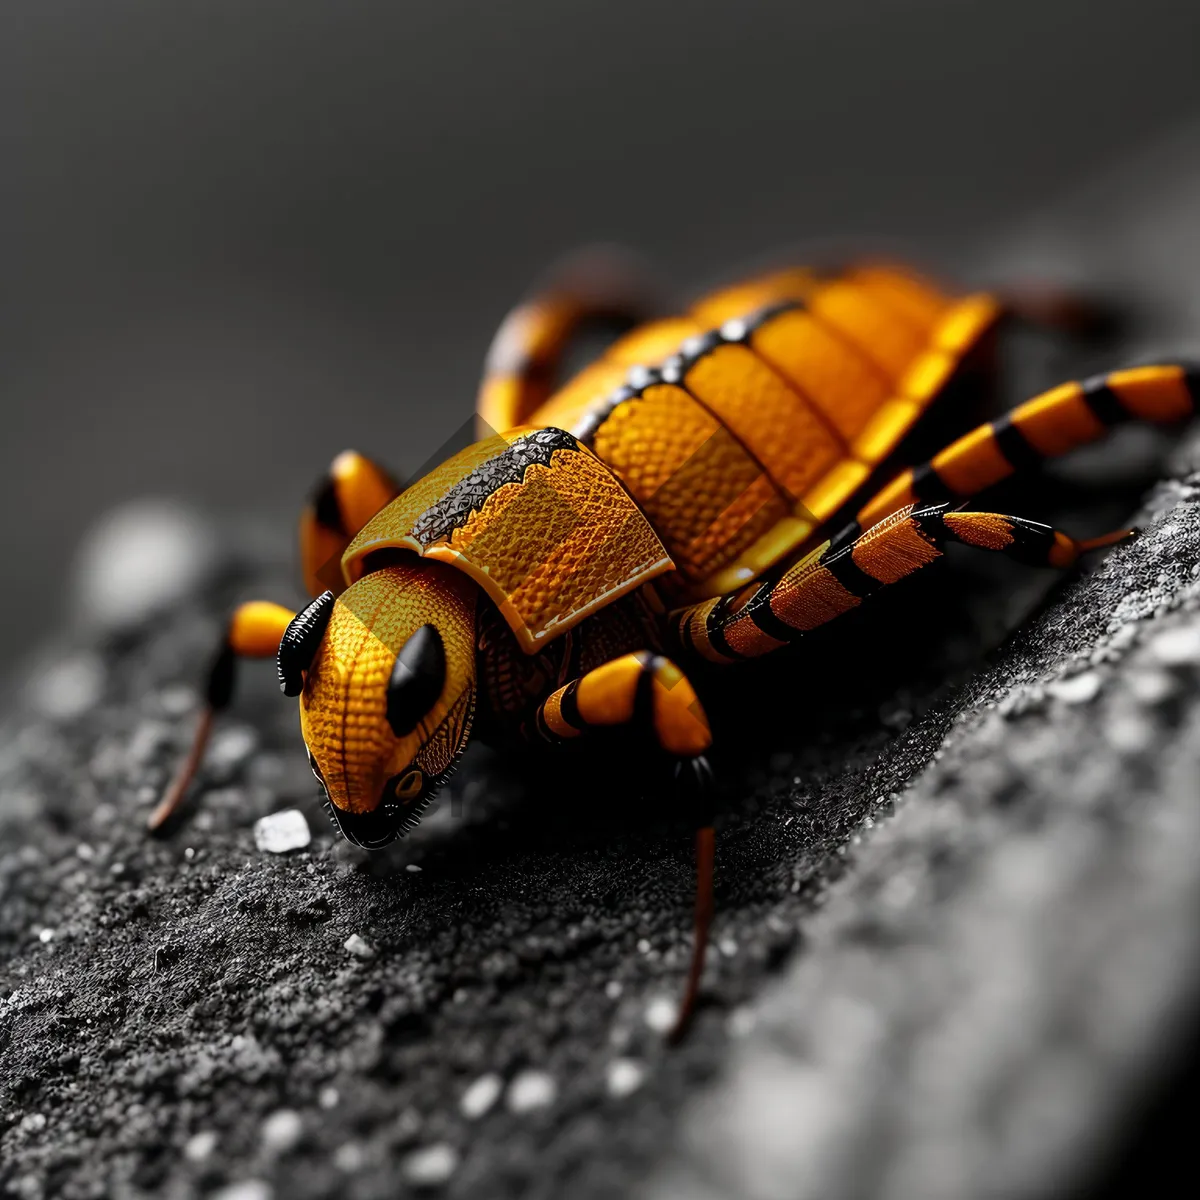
(636,689)
(694,782)
(649,690)
(1061,309)
(595,287)
(1050,425)
(834,579)
(346,497)
(254,631)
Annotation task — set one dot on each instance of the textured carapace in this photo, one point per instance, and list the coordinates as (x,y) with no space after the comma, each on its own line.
(535,518)
(669,508)
(743,426)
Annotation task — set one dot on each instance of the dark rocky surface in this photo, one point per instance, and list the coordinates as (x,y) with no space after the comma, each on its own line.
(956,895)
(981,996)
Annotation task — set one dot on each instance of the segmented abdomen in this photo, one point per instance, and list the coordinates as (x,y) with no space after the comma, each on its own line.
(744,425)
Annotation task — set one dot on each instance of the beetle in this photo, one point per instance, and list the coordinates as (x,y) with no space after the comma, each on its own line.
(669,506)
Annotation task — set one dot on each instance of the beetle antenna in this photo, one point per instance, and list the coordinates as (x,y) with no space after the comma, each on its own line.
(705,854)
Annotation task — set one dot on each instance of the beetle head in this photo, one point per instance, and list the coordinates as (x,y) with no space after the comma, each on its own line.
(389,695)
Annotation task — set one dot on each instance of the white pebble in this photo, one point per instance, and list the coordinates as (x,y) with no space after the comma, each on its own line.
(660,1014)
(33,1123)
(412,867)
(246,1189)
(230,747)
(613,989)
(481,1095)
(741,1021)
(430,1165)
(350,1156)
(643,946)
(45,935)
(625,1076)
(200,1145)
(281,1131)
(177,700)
(282,831)
(1177,647)
(140,558)
(530,1090)
(1076,689)
(359,946)
(1152,686)
(1129,733)
(67,689)
(328,1097)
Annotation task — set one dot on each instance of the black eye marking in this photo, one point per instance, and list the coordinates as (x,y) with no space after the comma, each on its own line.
(298,646)
(417,680)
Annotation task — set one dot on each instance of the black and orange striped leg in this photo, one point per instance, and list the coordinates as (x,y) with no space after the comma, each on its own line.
(600,286)
(346,497)
(1048,426)
(834,580)
(641,689)
(651,692)
(254,631)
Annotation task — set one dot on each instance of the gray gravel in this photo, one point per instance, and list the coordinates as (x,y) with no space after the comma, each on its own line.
(956,891)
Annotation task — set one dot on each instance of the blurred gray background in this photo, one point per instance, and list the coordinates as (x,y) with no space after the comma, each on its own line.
(239,237)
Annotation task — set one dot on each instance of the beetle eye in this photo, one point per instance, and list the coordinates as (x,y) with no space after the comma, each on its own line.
(409,785)
(418,676)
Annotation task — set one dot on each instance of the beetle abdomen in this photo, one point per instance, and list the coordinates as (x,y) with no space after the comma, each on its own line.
(743,426)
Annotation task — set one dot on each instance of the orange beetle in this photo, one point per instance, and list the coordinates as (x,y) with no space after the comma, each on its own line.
(671,503)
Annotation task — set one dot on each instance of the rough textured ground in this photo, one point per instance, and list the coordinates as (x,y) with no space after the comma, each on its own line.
(956,887)
(977,998)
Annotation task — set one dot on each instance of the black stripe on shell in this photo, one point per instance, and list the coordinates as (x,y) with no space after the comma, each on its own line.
(676,366)
(470,494)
